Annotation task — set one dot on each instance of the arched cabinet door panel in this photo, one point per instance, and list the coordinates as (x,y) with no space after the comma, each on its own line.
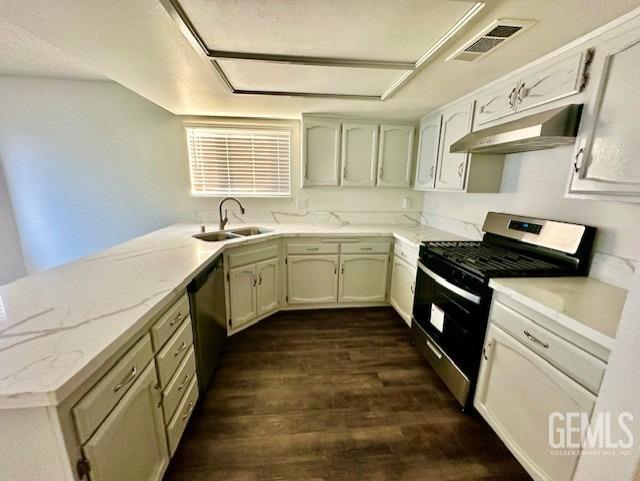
(320,152)
(395,156)
(428,152)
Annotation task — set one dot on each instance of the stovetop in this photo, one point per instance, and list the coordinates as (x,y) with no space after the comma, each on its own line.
(487,260)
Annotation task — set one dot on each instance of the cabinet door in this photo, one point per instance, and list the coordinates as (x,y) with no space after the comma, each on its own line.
(321,152)
(452,168)
(242,295)
(495,103)
(551,82)
(359,154)
(517,391)
(608,144)
(403,278)
(312,279)
(428,152)
(267,289)
(131,444)
(363,278)
(395,156)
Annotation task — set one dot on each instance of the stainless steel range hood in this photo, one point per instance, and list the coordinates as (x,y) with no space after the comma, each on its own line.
(544,130)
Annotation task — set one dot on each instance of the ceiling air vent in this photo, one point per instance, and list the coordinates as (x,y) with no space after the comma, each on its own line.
(495,34)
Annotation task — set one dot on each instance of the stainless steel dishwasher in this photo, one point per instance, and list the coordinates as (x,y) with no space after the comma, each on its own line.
(207,305)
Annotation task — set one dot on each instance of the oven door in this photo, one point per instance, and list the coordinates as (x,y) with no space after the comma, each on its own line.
(454,319)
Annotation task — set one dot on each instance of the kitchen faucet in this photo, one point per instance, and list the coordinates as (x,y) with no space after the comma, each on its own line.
(223,220)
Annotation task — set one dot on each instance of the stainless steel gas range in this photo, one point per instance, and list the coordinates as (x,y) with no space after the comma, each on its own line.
(452,296)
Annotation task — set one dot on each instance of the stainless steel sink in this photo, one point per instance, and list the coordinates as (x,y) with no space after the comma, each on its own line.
(216,236)
(247,231)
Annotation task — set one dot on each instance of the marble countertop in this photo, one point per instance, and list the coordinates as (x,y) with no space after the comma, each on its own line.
(585,305)
(57,327)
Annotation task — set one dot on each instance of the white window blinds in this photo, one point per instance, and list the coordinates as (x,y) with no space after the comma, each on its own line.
(239,161)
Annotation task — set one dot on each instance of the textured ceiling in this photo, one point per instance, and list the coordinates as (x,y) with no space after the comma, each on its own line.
(384,30)
(137,44)
(24,54)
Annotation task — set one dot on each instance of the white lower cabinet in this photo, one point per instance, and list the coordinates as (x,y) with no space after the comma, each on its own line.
(267,288)
(312,279)
(363,278)
(403,279)
(517,392)
(131,445)
(242,285)
(253,292)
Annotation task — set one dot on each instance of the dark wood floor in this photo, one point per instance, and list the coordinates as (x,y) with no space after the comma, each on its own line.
(337,395)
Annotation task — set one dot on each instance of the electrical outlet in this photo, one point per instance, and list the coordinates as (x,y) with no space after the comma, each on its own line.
(302,203)
(407,202)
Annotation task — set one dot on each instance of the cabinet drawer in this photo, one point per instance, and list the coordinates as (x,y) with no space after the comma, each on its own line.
(94,407)
(365,248)
(406,252)
(175,351)
(573,361)
(181,417)
(169,322)
(243,256)
(179,384)
(302,248)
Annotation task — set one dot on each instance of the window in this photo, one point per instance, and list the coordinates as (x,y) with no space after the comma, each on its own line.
(250,162)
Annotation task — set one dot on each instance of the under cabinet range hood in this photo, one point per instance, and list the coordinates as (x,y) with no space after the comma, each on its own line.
(539,131)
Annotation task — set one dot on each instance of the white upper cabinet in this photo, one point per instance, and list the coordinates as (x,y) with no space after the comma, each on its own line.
(395,157)
(608,145)
(452,168)
(552,81)
(359,154)
(428,152)
(321,152)
(496,102)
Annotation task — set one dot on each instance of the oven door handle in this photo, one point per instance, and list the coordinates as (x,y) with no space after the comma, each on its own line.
(448,285)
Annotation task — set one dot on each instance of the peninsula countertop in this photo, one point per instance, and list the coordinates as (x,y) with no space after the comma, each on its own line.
(57,327)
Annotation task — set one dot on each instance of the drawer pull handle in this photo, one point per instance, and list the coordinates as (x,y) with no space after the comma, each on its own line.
(536,340)
(130,377)
(312,249)
(185,382)
(434,349)
(182,347)
(189,411)
(176,319)
(365,248)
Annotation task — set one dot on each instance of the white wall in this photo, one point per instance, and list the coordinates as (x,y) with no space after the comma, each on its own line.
(91,164)
(11,259)
(534,184)
(87,164)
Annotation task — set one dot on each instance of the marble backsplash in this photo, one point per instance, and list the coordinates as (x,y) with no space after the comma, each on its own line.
(315,217)
(605,267)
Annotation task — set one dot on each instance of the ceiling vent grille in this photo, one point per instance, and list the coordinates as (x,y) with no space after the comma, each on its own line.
(495,34)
